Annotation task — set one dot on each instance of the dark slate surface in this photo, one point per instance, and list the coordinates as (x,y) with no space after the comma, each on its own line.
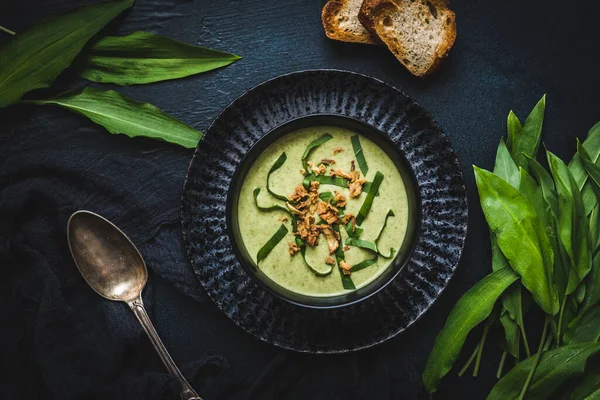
(61,341)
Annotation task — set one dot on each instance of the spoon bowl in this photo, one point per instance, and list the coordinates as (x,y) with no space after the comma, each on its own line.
(109,262)
(112,265)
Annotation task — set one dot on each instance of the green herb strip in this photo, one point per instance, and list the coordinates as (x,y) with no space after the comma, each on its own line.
(274,207)
(353,234)
(313,145)
(366,206)
(326,196)
(363,244)
(329,268)
(278,163)
(390,213)
(271,243)
(359,154)
(364,264)
(334,181)
(339,256)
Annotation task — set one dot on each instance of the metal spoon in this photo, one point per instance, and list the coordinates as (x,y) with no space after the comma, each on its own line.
(111,264)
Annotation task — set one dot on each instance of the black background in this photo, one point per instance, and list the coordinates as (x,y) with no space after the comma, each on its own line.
(62,341)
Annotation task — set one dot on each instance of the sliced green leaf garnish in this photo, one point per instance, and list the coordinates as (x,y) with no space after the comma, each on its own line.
(278,163)
(366,206)
(364,264)
(390,213)
(355,234)
(34,58)
(363,244)
(319,272)
(472,309)
(326,196)
(271,243)
(144,57)
(335,181)
(120,114)
(273,207)
(339,256)
(359,154)
(313,145)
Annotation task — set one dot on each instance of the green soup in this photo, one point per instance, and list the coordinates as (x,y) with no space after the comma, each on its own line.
(257,227)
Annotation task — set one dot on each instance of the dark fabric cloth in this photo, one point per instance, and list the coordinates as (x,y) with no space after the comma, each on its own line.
(59,340)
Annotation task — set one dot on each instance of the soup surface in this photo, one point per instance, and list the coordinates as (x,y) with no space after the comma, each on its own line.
(292,271)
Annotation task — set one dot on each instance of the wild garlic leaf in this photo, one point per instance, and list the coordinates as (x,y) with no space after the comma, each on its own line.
(584,328)
(555,368)
(520,235)
(34,58)
(505,166)
(527,142)
(573,228)
(144,57)
(514,129)
(119,114)
(588,388)
(472,309)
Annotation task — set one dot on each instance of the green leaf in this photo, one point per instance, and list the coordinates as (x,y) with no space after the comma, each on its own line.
(561,261)
(363,244)
(577,169)
(592,288)
(389,214)
(319,272)
(472,309)
(364,264)
(313,145)
(584,328)
(588,388)
(144,57)
(512,333)
(273,207)
(360,156)
(505,166)
(520,236)
(573,227)
(339,256)
(366,205)
(556,367)
(514,128)
(276,165)
(326,196)
(271,243)
(526,144)
(34,58)
(334,181)
(119,114)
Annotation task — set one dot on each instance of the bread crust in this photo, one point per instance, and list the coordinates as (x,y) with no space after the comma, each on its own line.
(332,28)
(373,10)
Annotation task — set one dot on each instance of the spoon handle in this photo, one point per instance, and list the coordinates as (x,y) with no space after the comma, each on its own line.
(137,306)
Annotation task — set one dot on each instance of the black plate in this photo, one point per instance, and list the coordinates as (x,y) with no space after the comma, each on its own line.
(408,295)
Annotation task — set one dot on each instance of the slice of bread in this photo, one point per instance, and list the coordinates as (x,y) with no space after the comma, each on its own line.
(419,32)
(340,20)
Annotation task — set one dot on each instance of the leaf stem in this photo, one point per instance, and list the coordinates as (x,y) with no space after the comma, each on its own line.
(537,359)
(524,336)
(7,30)
(501,366)
(480,352)
(469,361)
(560,320)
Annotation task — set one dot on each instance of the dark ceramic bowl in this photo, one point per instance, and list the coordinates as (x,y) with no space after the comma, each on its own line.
(414,207)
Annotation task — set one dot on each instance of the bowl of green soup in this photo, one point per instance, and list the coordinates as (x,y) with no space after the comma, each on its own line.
(323,211)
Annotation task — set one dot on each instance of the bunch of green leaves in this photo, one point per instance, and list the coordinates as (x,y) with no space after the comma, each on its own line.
(34,58)
(545,236)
